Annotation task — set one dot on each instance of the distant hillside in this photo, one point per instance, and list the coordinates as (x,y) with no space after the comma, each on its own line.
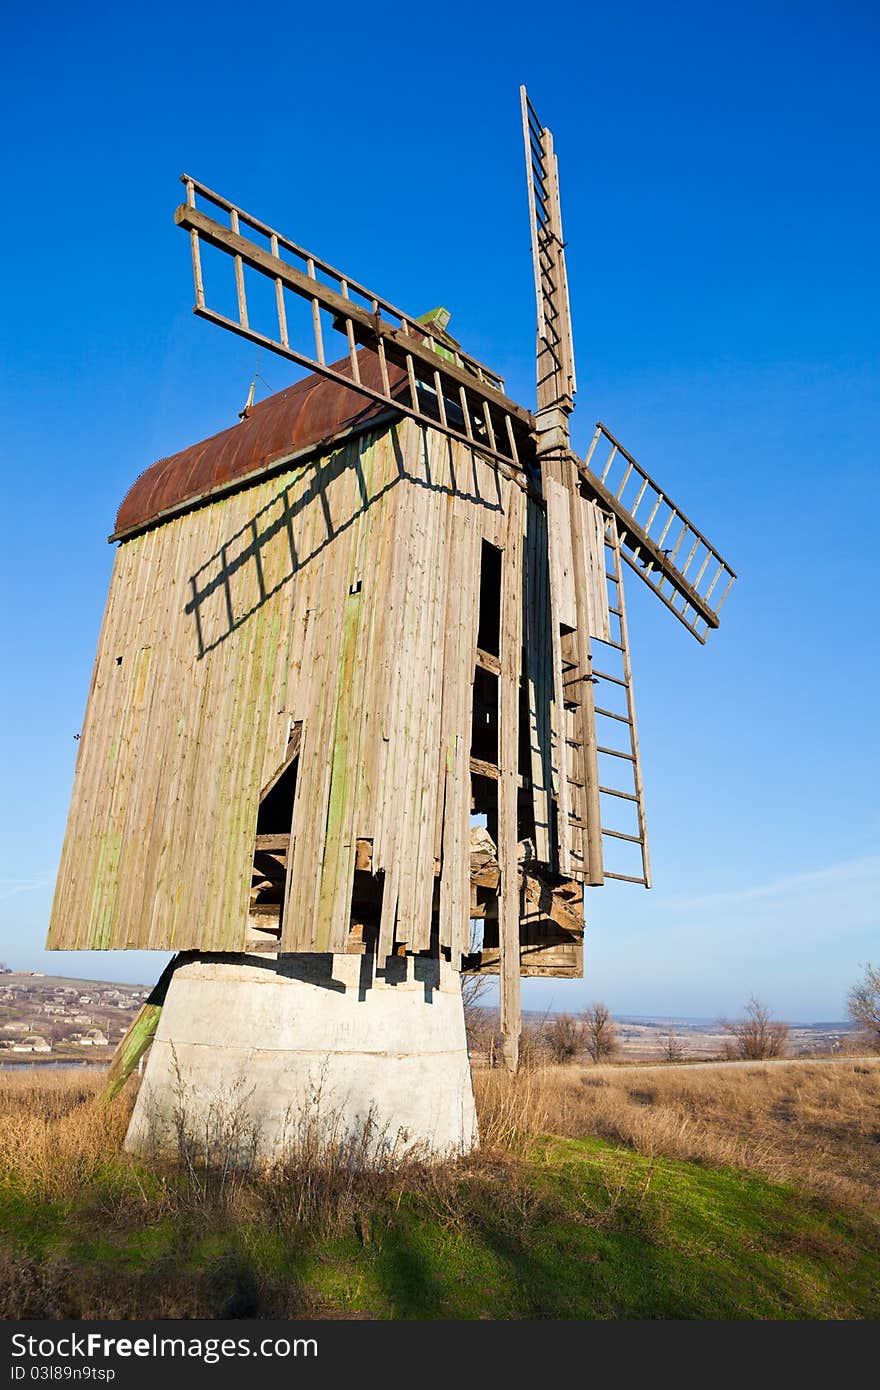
(47,1017)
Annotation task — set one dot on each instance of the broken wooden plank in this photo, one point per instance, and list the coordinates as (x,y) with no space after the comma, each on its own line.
(140,1034)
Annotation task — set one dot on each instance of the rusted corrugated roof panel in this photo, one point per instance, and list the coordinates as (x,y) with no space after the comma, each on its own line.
(310,412)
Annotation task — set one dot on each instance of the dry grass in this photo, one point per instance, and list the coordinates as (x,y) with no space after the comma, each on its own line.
(59,1142)
(89,1232)
(815,1125)
(61,1154)
(54,1137)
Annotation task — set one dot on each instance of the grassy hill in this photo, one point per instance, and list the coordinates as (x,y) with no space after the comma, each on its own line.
(540,1228)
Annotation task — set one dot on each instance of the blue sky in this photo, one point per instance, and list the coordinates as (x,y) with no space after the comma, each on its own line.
(720,201)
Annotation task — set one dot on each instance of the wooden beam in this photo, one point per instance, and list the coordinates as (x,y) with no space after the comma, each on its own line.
(138,1037)
(548,899)
(273,842)
(488,662)
(480,768)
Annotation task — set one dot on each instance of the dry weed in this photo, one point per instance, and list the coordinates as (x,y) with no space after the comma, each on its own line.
(813,1124)
(54,1135)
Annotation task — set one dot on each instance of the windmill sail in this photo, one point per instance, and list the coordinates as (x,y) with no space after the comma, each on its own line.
(658,540)
(421,371)
(621,789)
(556,374)
(572,528)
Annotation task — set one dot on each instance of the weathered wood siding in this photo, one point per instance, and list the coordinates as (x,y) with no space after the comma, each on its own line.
(539,673)
(343,594)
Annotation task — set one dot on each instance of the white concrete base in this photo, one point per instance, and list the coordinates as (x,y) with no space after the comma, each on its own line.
(259,1055)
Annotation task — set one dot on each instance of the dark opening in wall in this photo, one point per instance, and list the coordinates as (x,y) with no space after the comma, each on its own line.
(484,720)
(484,919)
(276,803)
(525,826)
(276,808)
(489,629)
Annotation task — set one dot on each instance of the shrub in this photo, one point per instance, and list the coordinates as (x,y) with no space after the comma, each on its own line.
(563,1037)
(863,1003)
(673,1047)
(600,1034)
(757,1035)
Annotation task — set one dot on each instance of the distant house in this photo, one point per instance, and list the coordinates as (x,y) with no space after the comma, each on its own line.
(32,1044)
(97,1038)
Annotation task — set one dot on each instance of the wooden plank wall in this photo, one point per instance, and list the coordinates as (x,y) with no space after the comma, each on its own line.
(539,674)
(342,594)
(578,606)
(508,777)
(595,600)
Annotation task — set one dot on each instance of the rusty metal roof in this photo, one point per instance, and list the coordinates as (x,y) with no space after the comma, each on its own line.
(311,412)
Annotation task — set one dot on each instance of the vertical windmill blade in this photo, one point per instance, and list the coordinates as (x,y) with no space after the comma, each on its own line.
(577,841)
(556,374)
(658,540)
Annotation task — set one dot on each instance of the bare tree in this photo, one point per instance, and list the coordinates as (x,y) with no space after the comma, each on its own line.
(563,1037)
(863,1003)
(478,1021)
(673,1047)
(600,1034)
(757,1035)
(532,1044)
(474,986)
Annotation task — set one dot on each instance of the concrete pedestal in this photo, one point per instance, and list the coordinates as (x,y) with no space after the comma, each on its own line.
(261,1056)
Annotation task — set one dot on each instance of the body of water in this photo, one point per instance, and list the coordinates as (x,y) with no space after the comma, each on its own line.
(62,1064)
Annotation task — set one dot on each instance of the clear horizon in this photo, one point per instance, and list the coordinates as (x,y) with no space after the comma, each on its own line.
(642,1017)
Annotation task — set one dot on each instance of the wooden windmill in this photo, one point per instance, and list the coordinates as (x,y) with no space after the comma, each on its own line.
(362,713)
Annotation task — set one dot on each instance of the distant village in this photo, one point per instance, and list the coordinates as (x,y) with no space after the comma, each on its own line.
(52,1017)
(46,1018)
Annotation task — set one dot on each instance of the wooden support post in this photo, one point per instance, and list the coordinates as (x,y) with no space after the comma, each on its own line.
(508,757)
(139,1036)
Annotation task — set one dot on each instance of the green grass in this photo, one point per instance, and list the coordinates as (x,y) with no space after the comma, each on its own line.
(579,1229)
